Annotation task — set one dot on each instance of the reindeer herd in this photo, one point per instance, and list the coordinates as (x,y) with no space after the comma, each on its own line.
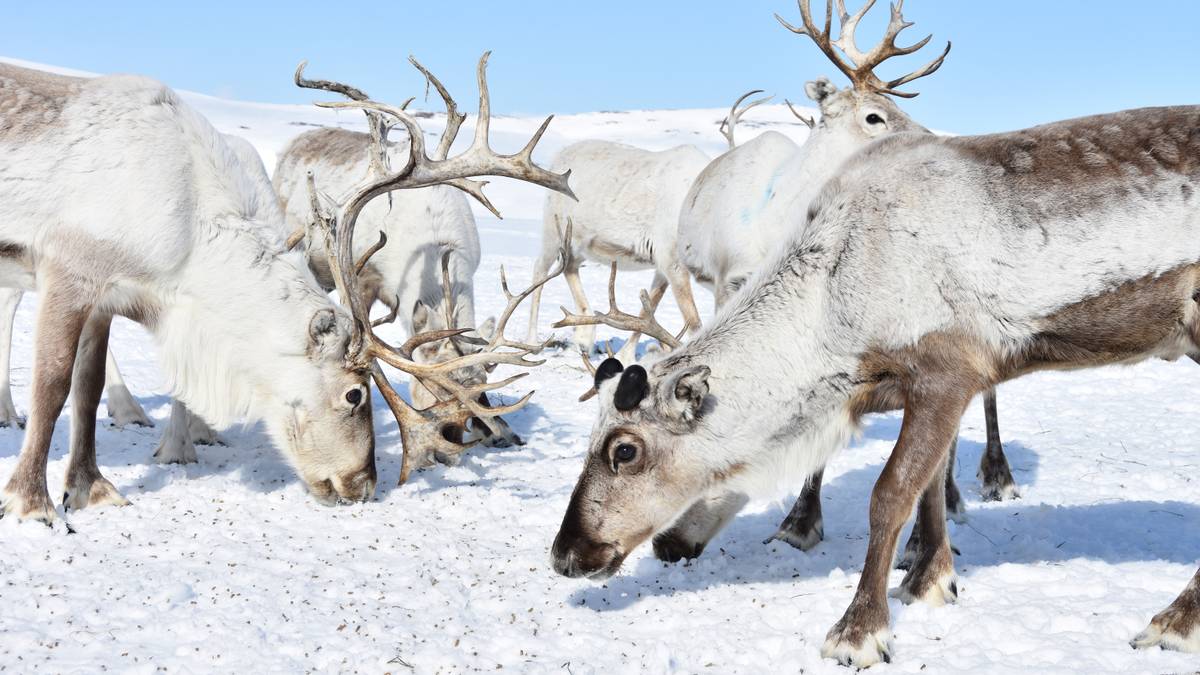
(876,266)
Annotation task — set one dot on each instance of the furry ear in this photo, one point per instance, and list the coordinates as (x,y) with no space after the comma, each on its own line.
(683,392)
(632,388)
(820,89)
(487,329)
(420,318)
(608,369)
(323,333)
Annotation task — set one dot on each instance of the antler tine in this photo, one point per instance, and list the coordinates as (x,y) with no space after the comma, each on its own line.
(644,323)
(821,38)
(454,119)
(808,121)
(366,256)
(375,122)
(447,294)
(928,69)
(731,120)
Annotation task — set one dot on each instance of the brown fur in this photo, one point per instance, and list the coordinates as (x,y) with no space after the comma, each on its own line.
(32,101)
(328,144)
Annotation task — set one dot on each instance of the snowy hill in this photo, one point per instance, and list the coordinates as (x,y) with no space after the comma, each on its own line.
(228,566)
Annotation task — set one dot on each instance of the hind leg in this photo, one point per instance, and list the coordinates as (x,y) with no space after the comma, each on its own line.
(998,484)
(955,510)
(803,527)
(681,286)
(585,336)
(123,408)
(84,486)
(61,316)
(10,298)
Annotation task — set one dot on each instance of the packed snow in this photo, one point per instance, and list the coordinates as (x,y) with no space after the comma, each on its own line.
(227,565)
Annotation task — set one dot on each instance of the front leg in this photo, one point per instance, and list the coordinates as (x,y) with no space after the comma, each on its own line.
(689,535)
(803,527)
(932,411)
(930,577)
(61,317)
(998,484)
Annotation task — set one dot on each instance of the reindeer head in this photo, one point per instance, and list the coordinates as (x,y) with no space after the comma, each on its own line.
(325,423)
(865,110)
(636,479)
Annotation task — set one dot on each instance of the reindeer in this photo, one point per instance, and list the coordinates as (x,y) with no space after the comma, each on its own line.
(425,276)
(741,208)
(930,270)
(163,225)
(628,213)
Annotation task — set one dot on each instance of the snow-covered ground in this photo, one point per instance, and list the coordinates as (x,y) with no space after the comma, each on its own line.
(229,566)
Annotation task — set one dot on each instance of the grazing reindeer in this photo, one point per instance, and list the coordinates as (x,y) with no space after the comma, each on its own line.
(1069,245)
(160,225)
(431,234)
(627,213)
(741,209)
(426,433)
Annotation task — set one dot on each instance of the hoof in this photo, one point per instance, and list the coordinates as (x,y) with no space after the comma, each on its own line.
(175,451)
(24,507)
(858,648)
(201,433)
(670,547)
(124,410)
(939,592)
(1171,629)
(803,537)
(11,420)
(100,493)
(998,492)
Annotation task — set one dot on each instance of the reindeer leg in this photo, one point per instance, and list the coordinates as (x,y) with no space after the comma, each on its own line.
(998,483)
(10,298)
(200,432)
(61,317)
(930,575)
(84,485)
(688,536)
(931,415)
(1178,626)
(681,286)
(803,527)
(912,549)
(954,503)
(585,336)
(535,300)
(176,446)
(123,408)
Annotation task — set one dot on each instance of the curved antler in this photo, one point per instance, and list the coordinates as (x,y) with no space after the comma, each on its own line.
(423,429)
(860,66)
(731,120)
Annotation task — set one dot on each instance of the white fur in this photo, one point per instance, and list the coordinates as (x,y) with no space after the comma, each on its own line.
(171,223)
(627,212)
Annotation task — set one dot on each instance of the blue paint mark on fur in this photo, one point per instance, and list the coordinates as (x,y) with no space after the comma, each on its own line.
(747,213)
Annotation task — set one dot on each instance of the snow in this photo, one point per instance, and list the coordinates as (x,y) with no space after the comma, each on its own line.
(227,565)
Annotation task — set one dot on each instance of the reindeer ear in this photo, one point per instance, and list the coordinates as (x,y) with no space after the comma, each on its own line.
(609,368)
(487,329)
(323,333)
(684,392)
(820,89)
(420,318)
(632,388)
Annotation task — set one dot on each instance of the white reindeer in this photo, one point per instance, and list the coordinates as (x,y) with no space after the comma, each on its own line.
(741,208)
(627,213)
(430,231)
(117,198)
(930,270)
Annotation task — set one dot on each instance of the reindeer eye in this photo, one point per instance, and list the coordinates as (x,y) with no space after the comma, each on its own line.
(624,453)
(354,396)
(874,119)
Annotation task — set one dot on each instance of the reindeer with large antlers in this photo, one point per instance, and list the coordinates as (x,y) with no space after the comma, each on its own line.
(741,208)
(927,271)
(424,430)
(425,276)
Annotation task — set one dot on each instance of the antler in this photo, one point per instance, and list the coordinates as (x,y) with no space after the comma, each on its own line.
(731,120)
(458,403)
(860,68)
(808,121)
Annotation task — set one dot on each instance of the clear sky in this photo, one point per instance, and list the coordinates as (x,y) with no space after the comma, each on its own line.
(1014,63)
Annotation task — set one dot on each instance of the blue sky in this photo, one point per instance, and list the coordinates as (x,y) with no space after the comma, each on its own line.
(1014,63)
